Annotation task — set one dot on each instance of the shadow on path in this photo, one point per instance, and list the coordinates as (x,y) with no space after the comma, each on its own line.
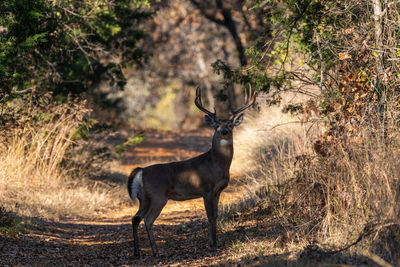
(109,242)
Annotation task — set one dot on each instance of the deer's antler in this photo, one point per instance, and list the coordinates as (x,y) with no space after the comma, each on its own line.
(250,98)
(199,104)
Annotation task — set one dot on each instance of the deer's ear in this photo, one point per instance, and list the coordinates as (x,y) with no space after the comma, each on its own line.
(210,121)
(238,120)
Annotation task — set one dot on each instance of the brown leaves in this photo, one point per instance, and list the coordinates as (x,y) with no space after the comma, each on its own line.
(347,110)
(308,110)
(354,91)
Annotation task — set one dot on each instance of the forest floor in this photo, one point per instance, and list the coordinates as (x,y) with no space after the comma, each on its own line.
(181,229)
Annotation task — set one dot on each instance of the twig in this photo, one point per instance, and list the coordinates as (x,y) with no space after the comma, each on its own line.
(376,258)
(21,92)
(279,125)
(321,58)
(301,12)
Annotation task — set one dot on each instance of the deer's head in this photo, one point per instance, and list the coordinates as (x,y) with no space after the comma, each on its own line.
(224,127)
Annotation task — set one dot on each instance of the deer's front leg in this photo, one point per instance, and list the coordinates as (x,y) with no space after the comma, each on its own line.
(211,204)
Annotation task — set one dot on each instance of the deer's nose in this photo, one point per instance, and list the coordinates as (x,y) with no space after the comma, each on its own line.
(224,131)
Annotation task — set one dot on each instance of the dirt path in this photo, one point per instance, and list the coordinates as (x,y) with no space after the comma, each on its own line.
(181,237)
(181,230)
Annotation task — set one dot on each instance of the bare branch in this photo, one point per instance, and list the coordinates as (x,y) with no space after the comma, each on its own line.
(21,92)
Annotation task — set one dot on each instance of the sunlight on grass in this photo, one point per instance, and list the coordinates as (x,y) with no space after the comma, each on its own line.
(330,200)
(260,133)
(32,179)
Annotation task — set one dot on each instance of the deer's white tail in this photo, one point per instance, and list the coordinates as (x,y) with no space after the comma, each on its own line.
(135,183)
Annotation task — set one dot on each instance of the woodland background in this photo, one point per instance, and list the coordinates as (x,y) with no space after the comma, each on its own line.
(84,82)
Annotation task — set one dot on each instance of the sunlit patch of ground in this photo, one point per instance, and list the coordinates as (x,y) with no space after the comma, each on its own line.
(162,147)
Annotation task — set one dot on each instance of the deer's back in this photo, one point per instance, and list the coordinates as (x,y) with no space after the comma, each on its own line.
(182,180)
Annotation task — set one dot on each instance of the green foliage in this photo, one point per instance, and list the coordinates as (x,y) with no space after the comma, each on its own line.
(293,108)
(137,139)
(331,37)
(286,22)
(9,224)
(16,228)
(83,130)
(67,46)
(237,76)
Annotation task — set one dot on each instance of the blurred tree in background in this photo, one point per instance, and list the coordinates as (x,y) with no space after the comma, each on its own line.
(187,37)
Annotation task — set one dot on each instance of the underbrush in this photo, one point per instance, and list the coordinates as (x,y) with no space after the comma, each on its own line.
(344,197)
(35,177)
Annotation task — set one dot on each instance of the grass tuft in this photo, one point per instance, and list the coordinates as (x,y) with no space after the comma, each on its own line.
(33,176)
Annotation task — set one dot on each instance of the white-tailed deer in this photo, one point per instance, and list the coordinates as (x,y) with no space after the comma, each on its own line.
(203,176)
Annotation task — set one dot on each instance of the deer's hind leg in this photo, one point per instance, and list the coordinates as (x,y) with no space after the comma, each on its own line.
(143,209)
(154,211)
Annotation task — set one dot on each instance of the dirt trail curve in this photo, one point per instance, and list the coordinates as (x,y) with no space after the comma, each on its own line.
(181,229)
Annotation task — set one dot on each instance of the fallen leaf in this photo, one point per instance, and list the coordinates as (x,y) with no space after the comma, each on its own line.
(348,31)
(345,55)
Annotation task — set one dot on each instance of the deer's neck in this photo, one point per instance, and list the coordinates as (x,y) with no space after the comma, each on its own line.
(222,149)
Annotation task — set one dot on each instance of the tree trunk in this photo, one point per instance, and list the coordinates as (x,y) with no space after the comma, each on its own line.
(378,13)
(380,69)
(231,26)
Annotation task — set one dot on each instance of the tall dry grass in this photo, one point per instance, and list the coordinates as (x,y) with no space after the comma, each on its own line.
(33,178)
(262,134)
(349,195)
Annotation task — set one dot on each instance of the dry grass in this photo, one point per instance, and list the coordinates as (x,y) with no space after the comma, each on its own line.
(350,195)
(262,132)
(33,181)
(265,139)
